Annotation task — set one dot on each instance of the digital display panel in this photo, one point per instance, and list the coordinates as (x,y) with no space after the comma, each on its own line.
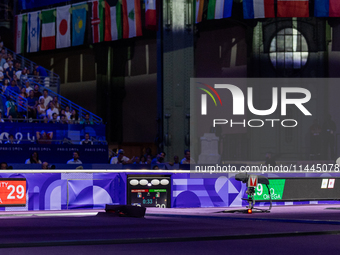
(12,192)
(299,189)
(149,191)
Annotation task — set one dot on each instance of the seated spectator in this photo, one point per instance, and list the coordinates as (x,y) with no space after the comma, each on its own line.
(148,159)
(74,116)
(159,159)
(36,91)
(142,159)
(54,118)
(44,138)
(14,87)
(41,109)
(2,60)
(75,159)
(44,166)
(11,107)
(176,159)
(45,120)
(86,120)
(28,87)
(21,102)
(9,72)
(34,159)
(67,113)
(5,85)
(51,110)
(87,140)
(2,76)
(3,166)
(10,140)
(155,167)
(63,119)
(46,97)
(10,119)
(120,158)
(56,103)
(22,74)
(136,160)
(187,159)
(32,104)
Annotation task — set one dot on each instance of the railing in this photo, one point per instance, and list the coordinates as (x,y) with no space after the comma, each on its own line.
(65,102)
(54,80)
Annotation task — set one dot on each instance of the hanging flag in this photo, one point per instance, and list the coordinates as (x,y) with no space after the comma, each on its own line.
(327,8)
(113,20)
(79,12)
(63,27)
(151,14)
(48,30)
(97,20)
(132,23)
(219,9)
(20,29)
(199,4)
(33,31)
(292,8)
(256,9)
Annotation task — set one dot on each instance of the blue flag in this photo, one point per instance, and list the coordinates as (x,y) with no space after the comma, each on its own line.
(78,23)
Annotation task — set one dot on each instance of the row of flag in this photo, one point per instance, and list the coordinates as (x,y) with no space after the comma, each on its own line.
(253,9)
(65,26)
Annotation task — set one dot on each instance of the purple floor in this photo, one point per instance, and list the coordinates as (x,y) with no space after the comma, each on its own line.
(309,229)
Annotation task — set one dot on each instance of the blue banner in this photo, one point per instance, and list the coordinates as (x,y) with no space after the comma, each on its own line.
(30,4)
(53,154)
(26,133)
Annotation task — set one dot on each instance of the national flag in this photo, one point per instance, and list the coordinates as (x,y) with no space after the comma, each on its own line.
(219,9)
(256,9)
(63,27)
(20,30)
(151,14)
(48,30)
(199,4)
(33,31)
(132,23)
(113,21)
(327,8)
(79,12)
(292,8)
(97,20)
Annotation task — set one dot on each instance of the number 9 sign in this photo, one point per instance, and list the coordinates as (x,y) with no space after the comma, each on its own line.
(12,192)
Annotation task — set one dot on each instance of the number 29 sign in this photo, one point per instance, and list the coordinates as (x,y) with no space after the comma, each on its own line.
(12,191)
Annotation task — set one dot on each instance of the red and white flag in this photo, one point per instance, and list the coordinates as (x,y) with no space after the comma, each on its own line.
(97,20)
(292,8)
(151,14)
(63,27)
(132,22)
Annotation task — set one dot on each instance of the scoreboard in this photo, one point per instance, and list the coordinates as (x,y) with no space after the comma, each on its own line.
(12,192)
(299,189)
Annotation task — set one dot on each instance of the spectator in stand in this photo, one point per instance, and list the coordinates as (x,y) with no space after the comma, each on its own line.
(120,158)
(10,139)
(40,71)
(11,108)
(86,120)
(136,160)
(159,159)
(36,91)
(41,109)
(176,159)
(21,102)
(67,113)
(47,98)
(142,159)
(28,87)
(1,119)
(87,140)
(22,75)
(148,159)
(6,65)
(2,60)
(3,166)
(51,110)
(2,76)
(23,92)
(75,159)
(5,86)
(54,119)
(32,104)
(148,152)
(56,103)
(63,119)
(74,116)
(45,120)
(187,159)
(17,70)
(10,71)
(4,54)
(34,159)
(14,87)
(44,138)
(10,119)
(44,165)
